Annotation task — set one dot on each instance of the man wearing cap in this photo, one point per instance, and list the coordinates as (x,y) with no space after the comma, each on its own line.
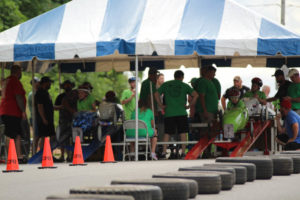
(293,93)
(65,119)
(147,85)
(128,99)
(289,135)
(175,94)
(283,86)
(13,108)
(44,110)
(35,85)
(237,83)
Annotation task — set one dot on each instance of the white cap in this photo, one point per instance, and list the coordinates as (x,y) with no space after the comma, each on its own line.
(292,72)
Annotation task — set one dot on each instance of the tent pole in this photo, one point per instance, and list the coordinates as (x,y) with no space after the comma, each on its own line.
(59,78)
(33,67)
(136,108)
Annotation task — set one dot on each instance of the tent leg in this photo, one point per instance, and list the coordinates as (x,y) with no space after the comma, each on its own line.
(33,65)
(136,108)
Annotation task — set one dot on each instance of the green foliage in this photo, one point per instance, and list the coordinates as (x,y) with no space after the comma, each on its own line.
(14,12)
(10,15)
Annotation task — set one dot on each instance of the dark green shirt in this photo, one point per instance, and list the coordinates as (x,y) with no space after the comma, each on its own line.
(294,92)
(250,94)
(175,94)
(209,90)
(218,86)
(145,89)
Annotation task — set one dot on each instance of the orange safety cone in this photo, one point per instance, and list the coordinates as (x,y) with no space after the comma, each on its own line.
(47,160)
(77,156)
(12,159)
(108,153)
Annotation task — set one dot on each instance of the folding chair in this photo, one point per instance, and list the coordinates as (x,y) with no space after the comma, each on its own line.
(130,124)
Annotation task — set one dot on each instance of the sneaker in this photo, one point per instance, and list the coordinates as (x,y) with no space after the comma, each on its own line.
(153,156)
(162,156)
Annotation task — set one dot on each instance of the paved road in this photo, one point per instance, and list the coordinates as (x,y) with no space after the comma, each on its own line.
(36,184)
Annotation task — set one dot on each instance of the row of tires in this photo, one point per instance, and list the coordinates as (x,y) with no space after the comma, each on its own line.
(188,182)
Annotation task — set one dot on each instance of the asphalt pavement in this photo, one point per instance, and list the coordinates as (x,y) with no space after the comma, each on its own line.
(37,184)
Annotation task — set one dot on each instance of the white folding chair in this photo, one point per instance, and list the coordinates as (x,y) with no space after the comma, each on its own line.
(130,124)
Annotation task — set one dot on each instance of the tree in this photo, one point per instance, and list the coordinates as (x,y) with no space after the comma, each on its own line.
(10,14)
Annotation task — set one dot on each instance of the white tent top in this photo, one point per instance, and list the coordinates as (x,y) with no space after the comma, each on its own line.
(93,28)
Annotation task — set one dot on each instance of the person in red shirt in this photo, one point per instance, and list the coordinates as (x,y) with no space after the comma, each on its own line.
(13,107)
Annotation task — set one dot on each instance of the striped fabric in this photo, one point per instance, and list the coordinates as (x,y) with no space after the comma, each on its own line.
(90,28)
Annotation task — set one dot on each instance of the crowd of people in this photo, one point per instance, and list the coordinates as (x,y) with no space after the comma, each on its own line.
(163,106)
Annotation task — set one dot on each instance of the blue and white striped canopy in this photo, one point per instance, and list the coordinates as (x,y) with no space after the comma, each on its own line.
(91,28)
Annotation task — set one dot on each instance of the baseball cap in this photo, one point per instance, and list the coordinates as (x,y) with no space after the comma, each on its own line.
(285,103)
(46,79)
(278,73)
(35,79)
(237,78)
(131,79)
(153,70)
(67,82)
(292,72)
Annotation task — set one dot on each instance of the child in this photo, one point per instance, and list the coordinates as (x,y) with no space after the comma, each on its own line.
(234,99)
(146,115)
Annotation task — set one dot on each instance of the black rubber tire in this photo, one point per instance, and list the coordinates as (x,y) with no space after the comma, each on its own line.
(139,192)
(208,183)
(202,168)
(290,152)
(193,186)
(296,161)
(251,169)
(92,197)
(264,165)
(240,172)
(226,178)
(282,165)
(177,189)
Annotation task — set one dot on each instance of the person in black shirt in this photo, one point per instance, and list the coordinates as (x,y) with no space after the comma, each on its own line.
(237,83)
(65,120)
(283,86)
(44,110)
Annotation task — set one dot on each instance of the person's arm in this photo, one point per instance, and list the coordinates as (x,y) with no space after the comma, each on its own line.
(295,128)
(194,98)
(42,113)
(280,129)
(202,102)
(126,101)
(272,99)
(157,98)
(223,102)
(21,105)
(295,100)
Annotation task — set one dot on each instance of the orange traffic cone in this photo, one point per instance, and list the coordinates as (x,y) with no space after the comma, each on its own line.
(108,153)
(47,160)
(12,160)
(77,156)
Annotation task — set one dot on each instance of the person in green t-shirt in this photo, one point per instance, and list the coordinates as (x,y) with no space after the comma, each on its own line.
(212,73)
(86,101)
(208,96)
(147,84)
(255,91)
(175,94)
(293,93)
(128,98)
(146,115)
